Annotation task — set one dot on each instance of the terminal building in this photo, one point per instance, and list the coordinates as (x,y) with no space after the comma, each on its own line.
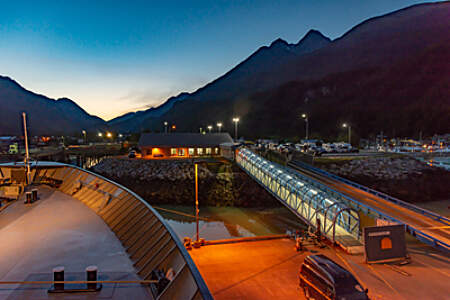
(182,145)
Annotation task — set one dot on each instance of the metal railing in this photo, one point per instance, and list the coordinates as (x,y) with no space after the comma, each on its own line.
(425,212)
(310,201)
(420,235)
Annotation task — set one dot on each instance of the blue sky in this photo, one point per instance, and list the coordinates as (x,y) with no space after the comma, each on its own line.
(112,57)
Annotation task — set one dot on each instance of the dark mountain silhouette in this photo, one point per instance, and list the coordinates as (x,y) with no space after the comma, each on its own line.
(384,69)
(45,115)
(245,78)
(132,122)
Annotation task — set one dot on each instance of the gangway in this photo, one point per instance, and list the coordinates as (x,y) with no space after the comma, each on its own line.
(309,200)
(312,194)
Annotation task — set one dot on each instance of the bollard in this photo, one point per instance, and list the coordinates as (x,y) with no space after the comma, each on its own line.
(35,195)
(28,197)
(91,275)
(58,275)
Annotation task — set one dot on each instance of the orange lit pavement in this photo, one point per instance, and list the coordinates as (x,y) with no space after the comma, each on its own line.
(268,270)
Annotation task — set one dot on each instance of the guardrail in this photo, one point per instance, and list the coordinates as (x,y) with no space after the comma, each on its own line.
(425,212)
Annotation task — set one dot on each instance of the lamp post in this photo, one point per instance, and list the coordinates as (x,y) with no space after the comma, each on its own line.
(84,133)
(196,205)
(236,121)
(109,134)
(305,117)
(349,132)
(100,134)
(165,126)
(220,126)
(209,128)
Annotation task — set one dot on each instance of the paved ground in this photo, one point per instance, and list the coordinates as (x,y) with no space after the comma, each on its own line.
(268,270)
(60,231)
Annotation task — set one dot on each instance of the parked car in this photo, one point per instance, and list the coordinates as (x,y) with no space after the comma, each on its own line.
(322,278)
(132,154)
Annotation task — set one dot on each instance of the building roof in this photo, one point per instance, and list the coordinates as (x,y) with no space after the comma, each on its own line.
(184,139)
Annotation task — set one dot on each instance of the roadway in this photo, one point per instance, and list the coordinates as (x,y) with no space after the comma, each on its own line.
(404,215)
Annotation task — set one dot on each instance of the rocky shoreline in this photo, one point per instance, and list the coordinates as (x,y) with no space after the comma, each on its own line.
(172,182)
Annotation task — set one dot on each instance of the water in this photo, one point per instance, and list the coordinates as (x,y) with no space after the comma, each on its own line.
(229,222)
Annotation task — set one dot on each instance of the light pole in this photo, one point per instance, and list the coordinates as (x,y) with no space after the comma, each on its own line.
(209,128)
(100,134)
(109,134)
(220,126)
(196,206)
(349,132)
(305,117)
(165,126)
(201,130)
(236,121)
(84,133)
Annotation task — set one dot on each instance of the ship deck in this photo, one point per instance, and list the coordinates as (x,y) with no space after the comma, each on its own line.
(269,270)
(59,230)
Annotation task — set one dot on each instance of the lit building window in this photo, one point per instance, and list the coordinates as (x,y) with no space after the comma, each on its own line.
(191,151)
(208,151)
(173,151)
(216,151)
(181,152)
(199,151)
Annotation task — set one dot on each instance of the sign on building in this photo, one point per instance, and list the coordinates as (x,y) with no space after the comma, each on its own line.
(384,243)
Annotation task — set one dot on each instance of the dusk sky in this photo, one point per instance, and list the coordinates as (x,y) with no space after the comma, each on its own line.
(112,57)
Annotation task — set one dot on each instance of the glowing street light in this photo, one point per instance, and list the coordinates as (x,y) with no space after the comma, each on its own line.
(349,131)
(305,117)
(109,134)
(209,128)
(100,134)
(165,126)
(236,121)
(84,133)
(219,125)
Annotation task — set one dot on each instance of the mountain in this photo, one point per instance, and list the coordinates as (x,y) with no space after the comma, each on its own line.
(245,77)
(389,72)
(132,122)
(45,115)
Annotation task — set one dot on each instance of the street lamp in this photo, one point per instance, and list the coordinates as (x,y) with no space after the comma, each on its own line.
(305,117)
(349,132)
(84,133)
(109,134)
(236,121)
(209,128)
(165,126)
(100,134)
(220,126)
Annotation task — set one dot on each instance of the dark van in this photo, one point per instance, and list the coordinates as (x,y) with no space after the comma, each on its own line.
(322,278)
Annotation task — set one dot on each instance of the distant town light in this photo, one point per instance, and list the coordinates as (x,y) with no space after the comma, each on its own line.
(344,125)
(100,134)
(109,134)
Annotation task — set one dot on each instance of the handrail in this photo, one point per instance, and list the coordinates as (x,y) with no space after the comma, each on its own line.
(415,232)
(420,210)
